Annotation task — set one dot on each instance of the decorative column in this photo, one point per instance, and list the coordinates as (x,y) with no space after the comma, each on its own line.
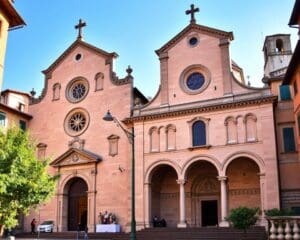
(224,204)
(147,202)
(182,220)
(262,177)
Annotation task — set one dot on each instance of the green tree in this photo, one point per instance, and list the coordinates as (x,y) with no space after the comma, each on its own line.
(24,180)
(243,217)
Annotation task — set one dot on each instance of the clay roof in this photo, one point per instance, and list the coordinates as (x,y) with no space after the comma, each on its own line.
(76,43)
(92,157)
(193,26)
(5,107)
(15,91)
(295,16)
(14,19)
(293,65)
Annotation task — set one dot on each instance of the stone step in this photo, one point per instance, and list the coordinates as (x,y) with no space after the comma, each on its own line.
(255,233)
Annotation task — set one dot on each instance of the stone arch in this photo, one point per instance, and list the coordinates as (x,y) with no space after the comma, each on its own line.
(158,163)
(63,186)
(254,157)
(197,158)
(231,130)
(154,139)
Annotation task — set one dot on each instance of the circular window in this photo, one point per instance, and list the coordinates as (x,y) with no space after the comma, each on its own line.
(77,90)
(76,122)
(195,81)
(193,41)
(78,56)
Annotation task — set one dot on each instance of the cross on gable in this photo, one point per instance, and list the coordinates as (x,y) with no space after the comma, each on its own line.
(192,11)
(79,26)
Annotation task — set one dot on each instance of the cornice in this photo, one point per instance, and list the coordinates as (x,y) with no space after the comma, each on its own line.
(201,109)
(5,107)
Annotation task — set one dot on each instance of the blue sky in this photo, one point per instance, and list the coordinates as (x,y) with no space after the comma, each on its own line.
(135,29)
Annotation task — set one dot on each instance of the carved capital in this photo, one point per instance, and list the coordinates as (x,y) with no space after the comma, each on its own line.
(222,178)
(181,181)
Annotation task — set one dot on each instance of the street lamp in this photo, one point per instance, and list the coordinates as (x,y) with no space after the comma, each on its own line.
(130,136)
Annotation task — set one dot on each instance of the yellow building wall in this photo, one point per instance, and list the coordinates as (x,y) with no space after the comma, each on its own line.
(4,25)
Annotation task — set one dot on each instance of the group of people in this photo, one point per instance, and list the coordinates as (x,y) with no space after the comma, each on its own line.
(157,222)
(107,218)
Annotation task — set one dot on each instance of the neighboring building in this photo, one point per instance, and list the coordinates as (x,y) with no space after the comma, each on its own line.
(14,109)
(287,149)
(292,76)
(9,19)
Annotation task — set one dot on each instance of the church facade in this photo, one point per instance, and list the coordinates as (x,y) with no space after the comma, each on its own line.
(205,144)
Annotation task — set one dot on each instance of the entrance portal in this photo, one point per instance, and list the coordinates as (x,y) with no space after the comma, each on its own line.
(209,210)
(77,210)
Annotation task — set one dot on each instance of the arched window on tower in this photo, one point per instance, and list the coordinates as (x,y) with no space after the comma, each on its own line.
(251,132)
(171,137)
(279,45)
(56,91)
(231,130)
(154,139)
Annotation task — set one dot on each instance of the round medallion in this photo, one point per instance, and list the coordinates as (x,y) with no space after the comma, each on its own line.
(77,89)
(195,81)
(76,122)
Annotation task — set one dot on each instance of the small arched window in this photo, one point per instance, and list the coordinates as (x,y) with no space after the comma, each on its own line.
(56,91)
(99,81)
(154,139)
(231,130)
(251,132)
(171,137)
(279,45)
(199,133)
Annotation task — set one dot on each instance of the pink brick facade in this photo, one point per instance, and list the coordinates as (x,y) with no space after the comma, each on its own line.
(174,179)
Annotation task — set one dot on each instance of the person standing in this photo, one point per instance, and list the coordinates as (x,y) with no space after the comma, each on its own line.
(33,223)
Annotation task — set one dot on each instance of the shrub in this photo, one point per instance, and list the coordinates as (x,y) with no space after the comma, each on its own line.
(243,217)
(274,212)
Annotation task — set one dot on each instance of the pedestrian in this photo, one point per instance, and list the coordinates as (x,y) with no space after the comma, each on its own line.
(86,233)
(33,223)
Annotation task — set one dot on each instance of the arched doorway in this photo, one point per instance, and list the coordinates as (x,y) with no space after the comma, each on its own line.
(77,204)
(165,195)
(203,194)
(243,183)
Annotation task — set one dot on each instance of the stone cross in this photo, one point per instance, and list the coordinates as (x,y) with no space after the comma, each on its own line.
(79,26)
(192,11)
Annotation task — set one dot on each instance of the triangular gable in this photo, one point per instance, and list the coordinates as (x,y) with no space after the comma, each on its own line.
(193,26)
(75,156)
(76,43)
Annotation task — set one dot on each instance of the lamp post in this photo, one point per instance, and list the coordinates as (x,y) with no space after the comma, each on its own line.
(130,136)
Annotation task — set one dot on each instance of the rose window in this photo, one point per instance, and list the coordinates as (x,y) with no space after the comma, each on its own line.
(77,89)
(76,122)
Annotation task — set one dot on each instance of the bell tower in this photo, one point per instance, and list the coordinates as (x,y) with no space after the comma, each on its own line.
(277,54)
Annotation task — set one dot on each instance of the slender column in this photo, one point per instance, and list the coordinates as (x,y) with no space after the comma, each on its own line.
(224,204)
(182,220)
(147,191)
(262,177)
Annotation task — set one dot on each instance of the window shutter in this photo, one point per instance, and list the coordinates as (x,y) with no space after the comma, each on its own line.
(2,119)
(285,93)
(22,125)
(289,140)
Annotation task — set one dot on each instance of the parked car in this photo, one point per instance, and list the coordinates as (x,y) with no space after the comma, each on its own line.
(46,226)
